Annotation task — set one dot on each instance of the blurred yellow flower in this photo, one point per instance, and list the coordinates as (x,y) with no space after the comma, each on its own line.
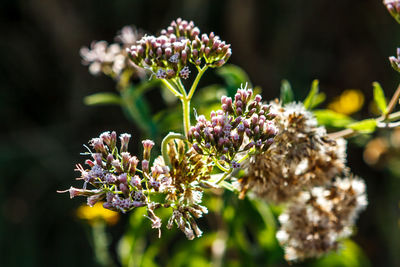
(349,102)
(97,213)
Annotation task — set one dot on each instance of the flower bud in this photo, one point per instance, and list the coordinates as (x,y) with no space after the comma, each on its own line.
(109,160)
(124,141)
(133,162)
(123,178)
(147,146)
(136,182)
(98,158)
(145,166)
(124,188)
(197,149)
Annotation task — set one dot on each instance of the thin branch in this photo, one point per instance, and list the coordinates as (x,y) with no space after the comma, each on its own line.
(393,101)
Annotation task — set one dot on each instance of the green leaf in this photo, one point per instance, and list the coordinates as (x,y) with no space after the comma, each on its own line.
(349,255)
(379,97)
(138,109)
(364,126)
(318,99)
(314,98)
(331,118)
(287,95)
(234,78)
(102,99)
(308,102)
(233,75)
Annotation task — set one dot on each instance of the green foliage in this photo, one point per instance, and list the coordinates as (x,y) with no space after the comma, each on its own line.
(349,255)
(138,108)
(379,97)
(364,126)
(331,118)
(234,77)
(287,95)
(314,98)
(102,99)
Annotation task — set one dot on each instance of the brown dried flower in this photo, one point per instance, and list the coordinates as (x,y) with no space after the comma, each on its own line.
(316,220)
(301,157)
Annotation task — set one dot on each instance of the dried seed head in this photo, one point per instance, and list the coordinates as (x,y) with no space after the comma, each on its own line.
(315,221)
(300,156)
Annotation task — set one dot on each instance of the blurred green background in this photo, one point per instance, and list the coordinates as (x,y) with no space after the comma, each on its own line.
(345,44)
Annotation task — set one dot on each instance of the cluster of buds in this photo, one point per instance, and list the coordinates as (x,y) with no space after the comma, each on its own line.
(211,49)
(114,174)
(393,6)
(181,29)
(111,59)
(207,47)
(122,186)
(243,124)
(314,222)
(168,55)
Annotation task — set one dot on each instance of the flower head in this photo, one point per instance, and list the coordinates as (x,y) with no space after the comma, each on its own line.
(301,156)
(240,125)
(169,54)
(315,221)
(111,59)
(116,179)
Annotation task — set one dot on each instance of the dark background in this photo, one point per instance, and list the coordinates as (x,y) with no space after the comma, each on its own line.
(345,44)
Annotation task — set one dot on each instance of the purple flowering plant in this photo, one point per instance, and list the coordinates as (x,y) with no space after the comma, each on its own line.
(277,153)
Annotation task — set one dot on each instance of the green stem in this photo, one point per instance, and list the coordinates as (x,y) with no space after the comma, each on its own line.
(222,168)
(185,106)
(245,156)
(346,133)
(180,86)
(164,145)
(100,243)
(196,81)
(186,115)
(171,88)
(393,102)
(224,176)
(394,116)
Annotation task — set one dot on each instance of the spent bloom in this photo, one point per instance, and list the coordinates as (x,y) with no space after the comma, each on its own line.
(316,220)
(187,173)
(240,125)
(302,156)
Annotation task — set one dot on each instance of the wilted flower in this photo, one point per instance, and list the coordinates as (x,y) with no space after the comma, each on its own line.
(302,156)
(316,220)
